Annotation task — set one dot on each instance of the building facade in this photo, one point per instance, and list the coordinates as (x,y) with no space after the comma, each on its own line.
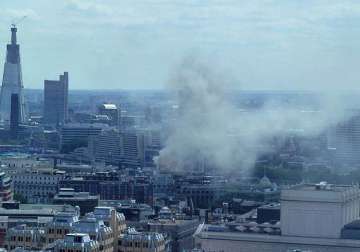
(56,100)
(37,186)
(312,218)
(76,242)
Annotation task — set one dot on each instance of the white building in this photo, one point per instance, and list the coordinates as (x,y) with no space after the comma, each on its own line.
(346,139)
(318,211)
(312,217)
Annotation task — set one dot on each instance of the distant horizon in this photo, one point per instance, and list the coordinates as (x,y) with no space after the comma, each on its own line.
(228,89)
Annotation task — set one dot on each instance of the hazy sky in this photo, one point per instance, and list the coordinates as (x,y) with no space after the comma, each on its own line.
(130,44)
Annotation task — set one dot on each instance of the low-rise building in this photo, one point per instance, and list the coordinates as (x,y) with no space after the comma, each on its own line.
(97,231)
(316,218)
(14,214)
(84,200)
(76,242)
(61,225)
(179,230)
(133,241)
(29,238)
(37,185)
(112,219)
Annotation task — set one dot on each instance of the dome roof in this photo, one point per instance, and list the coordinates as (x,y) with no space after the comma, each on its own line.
(265,182)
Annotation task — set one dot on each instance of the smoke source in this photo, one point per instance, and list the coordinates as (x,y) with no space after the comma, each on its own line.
(210,130)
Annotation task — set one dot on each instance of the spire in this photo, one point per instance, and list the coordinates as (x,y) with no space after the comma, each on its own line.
(13,34)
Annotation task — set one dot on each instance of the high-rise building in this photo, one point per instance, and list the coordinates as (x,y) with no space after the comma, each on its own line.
(12,80)
(56,100)
(75,135)
(14,115)
(112,111)
(133,144)
(106,146)
(346,140)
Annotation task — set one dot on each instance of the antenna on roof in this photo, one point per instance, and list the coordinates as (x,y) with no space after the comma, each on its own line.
(14,23)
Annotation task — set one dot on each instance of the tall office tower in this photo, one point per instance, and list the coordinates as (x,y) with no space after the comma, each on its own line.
(14,115)
(12,80)
(56,100)
(347,141)
(112,111)
(132,150)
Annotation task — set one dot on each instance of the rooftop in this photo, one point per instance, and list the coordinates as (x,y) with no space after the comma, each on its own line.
(322,192)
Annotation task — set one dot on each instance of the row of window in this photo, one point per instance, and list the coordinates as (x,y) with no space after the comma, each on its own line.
(58,231)
(20,238)
(135,244)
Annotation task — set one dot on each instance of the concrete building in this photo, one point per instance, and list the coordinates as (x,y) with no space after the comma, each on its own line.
(84,200)
(318,211)
(76,135)
(312,218)
(132,151)
(27,238)
(106,146)
(112,111)
(12,81)
(76,242)
(345,139)
(56,100)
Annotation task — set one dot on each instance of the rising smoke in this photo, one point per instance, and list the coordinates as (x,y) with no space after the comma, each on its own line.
(211,131)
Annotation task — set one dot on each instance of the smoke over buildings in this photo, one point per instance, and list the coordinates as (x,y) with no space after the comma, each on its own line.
(212,131)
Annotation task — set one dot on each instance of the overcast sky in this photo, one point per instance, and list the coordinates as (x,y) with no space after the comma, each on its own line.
(135,44)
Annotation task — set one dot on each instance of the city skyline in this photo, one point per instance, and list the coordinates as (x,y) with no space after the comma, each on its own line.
(266,45)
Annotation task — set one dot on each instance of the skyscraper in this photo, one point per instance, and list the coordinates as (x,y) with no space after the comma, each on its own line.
(12,80)
(347,142)
(56,100)
(14,115)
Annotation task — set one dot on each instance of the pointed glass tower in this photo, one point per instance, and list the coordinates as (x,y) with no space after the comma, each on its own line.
(12,81)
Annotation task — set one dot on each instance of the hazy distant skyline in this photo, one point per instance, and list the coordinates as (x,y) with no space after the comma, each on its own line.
(136,44)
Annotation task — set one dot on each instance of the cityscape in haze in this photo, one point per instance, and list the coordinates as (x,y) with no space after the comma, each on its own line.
(179,126)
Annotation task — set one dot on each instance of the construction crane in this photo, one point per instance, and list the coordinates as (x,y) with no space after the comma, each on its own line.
(16,22)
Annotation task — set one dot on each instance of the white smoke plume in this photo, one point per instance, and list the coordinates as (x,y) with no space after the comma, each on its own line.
(210,129)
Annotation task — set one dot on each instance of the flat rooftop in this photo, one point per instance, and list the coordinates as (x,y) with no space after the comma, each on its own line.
(322,192)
